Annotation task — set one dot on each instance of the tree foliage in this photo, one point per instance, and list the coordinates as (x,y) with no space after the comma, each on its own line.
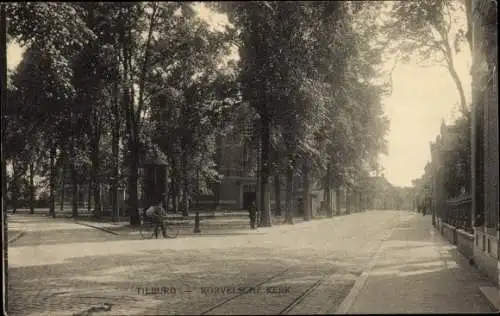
(108,84)
(430,33)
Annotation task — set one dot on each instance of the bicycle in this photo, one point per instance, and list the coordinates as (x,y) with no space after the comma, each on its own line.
(147,228)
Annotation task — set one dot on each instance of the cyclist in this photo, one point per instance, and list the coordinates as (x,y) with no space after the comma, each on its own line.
(157,213)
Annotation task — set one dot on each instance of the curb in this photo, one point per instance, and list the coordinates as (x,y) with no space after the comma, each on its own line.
(492,295)
(210,226)
(99,228)
(359,284)
(16,237)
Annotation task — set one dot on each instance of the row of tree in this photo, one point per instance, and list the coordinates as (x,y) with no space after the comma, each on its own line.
(309,70)
(103,84)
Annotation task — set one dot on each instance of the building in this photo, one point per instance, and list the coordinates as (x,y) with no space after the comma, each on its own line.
(238,163)
(444,143)
(236,159)
(485,163)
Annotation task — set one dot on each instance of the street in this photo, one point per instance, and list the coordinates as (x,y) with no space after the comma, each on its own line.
(376,261)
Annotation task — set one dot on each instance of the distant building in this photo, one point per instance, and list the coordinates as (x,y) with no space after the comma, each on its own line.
(238,162)
(444,142)
(380,194)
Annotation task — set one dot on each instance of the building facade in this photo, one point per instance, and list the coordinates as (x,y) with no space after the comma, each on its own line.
(485,160)
(238,164)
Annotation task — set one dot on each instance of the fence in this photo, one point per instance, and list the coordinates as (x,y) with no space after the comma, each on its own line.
(458,213)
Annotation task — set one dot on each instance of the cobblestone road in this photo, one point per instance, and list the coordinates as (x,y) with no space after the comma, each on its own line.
(305,268)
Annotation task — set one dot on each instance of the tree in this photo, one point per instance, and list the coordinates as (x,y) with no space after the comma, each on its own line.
(58,30)
(275,42)
(288,75)
(96,79)
(190,96)
(430,32)
(38,107)
(255,65)
(354,134)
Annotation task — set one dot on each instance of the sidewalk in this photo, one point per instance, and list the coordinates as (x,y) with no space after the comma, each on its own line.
(67,212)
(186,226)
(417,271)
(45,227)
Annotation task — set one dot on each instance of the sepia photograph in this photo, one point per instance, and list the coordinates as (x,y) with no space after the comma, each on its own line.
(249,157)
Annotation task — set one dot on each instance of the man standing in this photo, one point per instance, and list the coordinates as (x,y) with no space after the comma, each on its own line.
(252,213)
(157,214)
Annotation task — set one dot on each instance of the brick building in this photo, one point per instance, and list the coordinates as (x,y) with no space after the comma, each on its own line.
(485,160)
(238,163)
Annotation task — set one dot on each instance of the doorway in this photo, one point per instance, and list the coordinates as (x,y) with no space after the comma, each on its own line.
(248,198)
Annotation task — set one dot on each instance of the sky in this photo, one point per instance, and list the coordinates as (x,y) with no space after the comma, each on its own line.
(421,98)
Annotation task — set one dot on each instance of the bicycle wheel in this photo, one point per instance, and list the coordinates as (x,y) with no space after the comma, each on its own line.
(146,229)
(171,230)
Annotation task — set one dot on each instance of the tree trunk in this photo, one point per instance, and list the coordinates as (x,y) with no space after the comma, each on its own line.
(133,202)
(277,194)
(144,69)
(14,189)
(306,192)
(174,184)
(461,93)
(185,178)
(337,201)
(347,201)
(167,189)
(94,171)
(218,159)
(74,190)
(89,197)
(63,184)
(32,188)
(289,202)
(258,186)
(358,202)
(360,198)
(458,83)
(134,118)
(173,194)
(328,191)
(264,180)
(352,202)
(81,202)
(132,125)
(361,202)
(115,148)
(52,182)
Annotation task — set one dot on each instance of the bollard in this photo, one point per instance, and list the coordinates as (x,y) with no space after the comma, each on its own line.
(197,222)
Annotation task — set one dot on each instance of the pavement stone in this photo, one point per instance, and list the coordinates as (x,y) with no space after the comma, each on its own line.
(67,278)
(313,268)
(417,271)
